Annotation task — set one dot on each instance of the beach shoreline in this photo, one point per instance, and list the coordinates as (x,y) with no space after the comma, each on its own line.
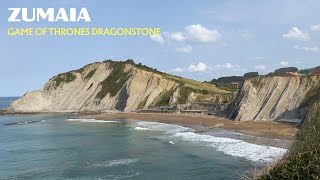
(255,128)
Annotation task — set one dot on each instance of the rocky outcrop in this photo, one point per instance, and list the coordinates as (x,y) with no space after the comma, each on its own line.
(273,98)
(103,86)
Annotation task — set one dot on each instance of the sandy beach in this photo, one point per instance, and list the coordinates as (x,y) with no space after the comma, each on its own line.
(258,128)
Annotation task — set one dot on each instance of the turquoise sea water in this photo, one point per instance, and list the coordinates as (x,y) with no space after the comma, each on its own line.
(52,146)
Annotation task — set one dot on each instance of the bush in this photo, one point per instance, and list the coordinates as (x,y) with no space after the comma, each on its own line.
(143,103)
(256,82)
(115,81)
(251,75)
(164,98)
(63,78)
(312,96)
(183,95)
(303,158)
(90,74)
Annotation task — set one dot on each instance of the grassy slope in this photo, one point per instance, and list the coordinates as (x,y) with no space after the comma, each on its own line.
(198,86)
(303,159)
(118,78)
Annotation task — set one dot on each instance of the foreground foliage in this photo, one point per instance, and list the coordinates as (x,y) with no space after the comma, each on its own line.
(303,159)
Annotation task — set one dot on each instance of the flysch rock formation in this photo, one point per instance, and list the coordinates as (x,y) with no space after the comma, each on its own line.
(272,98)
(102,86)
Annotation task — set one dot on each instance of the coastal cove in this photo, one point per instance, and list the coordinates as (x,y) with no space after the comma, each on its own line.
(41,146)
(67,146)
(255,128)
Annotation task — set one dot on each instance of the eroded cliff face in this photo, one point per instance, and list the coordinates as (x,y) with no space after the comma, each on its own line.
(100,87)
(273,98)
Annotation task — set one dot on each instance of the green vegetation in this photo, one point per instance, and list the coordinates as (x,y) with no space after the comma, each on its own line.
(227,80)
(226,87)
(63,78)
(251,75)
(312,96)
(271,74)
(183,94)
(90,74)
(303,159)
(143,103)
(164,98)
(256,82)
(115,81)
(308,71)
(197,86)
(283,71)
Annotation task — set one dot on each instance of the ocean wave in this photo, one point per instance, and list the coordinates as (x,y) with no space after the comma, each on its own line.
(142,128)
(235,147)
(92,120)
(167,128)
(23,122)
(117,162)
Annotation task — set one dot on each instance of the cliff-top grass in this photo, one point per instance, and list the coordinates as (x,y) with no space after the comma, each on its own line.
(198,86)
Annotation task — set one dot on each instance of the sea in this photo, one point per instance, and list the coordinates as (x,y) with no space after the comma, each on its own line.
(62,146)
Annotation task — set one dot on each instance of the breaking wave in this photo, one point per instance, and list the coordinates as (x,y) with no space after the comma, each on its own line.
(92,120)
(155,126)
(115,163)
(229,146)
(235,147)
(142,128)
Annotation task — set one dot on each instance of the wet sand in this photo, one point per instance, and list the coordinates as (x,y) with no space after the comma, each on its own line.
(257,128)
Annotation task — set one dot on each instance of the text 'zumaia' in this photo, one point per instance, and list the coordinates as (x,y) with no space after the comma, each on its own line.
(50,15)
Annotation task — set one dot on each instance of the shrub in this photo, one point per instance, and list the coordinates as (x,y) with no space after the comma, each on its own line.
(90,74)
(143,103)
(251,75)
(115,81)
(303,158)
(312,96)
(184,95)
(164,98)
(256,82)
(63,78)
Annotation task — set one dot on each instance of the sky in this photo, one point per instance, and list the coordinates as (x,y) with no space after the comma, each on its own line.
(200,40)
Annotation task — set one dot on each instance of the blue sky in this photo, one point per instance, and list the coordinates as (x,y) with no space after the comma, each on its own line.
(199,39)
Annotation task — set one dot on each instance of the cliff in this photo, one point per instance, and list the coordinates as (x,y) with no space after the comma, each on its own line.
(274,98)
(110,85)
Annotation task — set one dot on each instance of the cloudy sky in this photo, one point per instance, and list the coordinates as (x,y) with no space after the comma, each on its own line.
(199,39)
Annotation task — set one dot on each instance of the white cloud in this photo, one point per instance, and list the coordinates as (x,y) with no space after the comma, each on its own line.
(186,49)
(296,34)
(177,69)
(199,67)
(227,66)
(315,27)
(314,49)
(157,38)
(178,36)
(260,67)
(284,63)
(199,33)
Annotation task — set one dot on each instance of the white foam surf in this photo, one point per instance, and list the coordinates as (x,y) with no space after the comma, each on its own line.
(155,126)
(229,146)
(142,128)
(92,121)
(235,147)
(117,162)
